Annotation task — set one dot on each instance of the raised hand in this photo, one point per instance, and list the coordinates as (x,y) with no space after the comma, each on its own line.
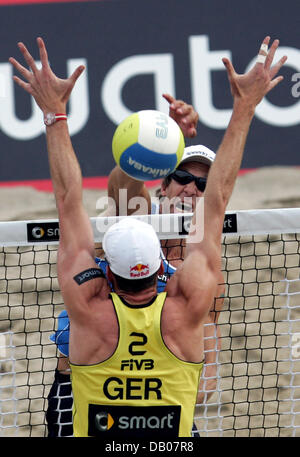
(184,114)
(254,85)
(50,92)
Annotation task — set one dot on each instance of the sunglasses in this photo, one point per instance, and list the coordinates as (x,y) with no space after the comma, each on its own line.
(184,177)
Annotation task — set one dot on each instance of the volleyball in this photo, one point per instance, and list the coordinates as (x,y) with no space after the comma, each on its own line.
(148,145)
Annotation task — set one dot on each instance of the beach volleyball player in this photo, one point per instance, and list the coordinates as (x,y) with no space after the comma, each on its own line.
(247,92)
(59,416)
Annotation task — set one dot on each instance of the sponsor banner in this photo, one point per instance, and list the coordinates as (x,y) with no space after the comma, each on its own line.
(125,74)
(43,232)
(230,224)
(108,421)
(254,222)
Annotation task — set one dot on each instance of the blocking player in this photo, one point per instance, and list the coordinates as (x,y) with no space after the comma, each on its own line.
(202,260)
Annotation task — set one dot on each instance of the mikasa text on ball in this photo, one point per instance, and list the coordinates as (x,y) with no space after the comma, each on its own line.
(148,145)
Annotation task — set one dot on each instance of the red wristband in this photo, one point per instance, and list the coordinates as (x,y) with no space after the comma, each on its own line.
(51,118)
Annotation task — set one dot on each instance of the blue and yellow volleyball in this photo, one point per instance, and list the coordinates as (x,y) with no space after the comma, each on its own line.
(148,145)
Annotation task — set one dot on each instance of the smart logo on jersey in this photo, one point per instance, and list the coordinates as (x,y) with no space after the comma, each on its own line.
(132,421)
(103,421)
(139,270)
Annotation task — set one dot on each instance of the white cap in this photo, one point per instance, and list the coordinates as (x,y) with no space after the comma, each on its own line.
(132,249)
(198,153)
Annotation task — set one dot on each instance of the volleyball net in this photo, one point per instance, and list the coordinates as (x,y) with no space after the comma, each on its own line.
(253,387)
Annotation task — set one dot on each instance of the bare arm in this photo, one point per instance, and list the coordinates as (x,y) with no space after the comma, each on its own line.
(76,248)
(51,94)
(212,345)
(247,90)
(119,182)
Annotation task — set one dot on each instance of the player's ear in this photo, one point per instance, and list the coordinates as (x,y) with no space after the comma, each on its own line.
(163,187)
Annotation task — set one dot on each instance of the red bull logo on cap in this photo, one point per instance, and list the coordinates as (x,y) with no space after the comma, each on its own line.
(139,270)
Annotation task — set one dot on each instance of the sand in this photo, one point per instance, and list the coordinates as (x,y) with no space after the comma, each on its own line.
(274,187)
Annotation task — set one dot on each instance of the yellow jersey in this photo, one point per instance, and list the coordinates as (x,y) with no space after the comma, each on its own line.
(143,390)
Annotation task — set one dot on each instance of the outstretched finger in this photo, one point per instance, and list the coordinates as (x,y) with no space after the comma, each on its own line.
(76,73)
(21,83)
(174,104)
(263,51)
(28,57)
(274,82)
(22,70)
(275,69)
(229,68)
(43,53)
(271,53)
(169,98)
(73,78)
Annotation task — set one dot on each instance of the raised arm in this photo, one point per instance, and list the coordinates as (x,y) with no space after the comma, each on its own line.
(247,91)
(76,247)
(187,119)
